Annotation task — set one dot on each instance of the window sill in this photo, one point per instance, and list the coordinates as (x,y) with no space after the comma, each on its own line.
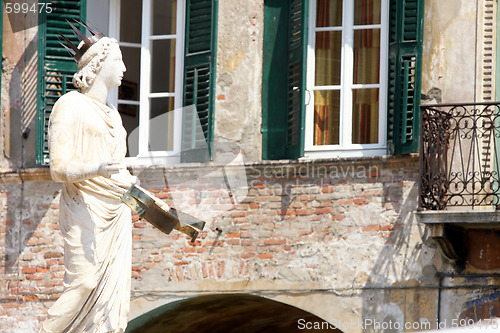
(333,153)
(153,159)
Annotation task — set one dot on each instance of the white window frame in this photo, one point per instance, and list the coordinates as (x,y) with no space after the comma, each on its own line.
(346,148)
(145,156)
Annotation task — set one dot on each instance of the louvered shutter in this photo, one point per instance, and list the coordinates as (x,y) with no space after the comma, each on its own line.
(405,71)
(55,65)
(296,79)
(199,78)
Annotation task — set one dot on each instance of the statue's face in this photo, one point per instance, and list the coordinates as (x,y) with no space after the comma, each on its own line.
(113,68)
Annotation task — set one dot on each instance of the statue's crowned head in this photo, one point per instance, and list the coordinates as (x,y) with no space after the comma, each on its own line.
(89,55)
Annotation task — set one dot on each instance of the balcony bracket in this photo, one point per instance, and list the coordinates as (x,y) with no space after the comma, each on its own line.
(437,232)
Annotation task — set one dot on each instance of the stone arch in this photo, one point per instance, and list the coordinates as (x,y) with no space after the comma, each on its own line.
(241,313)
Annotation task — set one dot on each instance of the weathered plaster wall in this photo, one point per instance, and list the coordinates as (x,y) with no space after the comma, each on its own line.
(449,42)
(19,90)
(239,75)
(458,54)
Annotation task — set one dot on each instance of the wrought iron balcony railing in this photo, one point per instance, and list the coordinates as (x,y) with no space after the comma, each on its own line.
(460,156)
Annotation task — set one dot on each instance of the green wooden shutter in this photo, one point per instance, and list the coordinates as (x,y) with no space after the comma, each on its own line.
(296,78)
(283,84)
(274,75)
(199,78)
(405,72)
(55,65)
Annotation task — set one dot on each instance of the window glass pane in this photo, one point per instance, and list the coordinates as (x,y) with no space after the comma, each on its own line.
(365,116)
(163,62)
(366,56)
(326,117)
(161,126)
(366,12)
(130,119)
(329,13)
(130,21)
(129,90)
(328,57)
(164,17)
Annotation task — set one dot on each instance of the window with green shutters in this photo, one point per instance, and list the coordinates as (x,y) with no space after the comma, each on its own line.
(401,30)
(169,50)
(55,65)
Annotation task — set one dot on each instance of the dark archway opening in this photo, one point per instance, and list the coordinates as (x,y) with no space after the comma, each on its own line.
(228,313)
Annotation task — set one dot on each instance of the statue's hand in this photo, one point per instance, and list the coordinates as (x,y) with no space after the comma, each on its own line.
(135,181)
(106,169)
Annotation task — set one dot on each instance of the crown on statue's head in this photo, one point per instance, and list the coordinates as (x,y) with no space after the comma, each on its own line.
(76,52)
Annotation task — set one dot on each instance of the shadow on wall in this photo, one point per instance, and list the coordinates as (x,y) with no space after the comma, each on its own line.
(25,203)
(20,120)
(403,284)
(230,313)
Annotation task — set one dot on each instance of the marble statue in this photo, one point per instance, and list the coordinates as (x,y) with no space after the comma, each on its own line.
(87,145)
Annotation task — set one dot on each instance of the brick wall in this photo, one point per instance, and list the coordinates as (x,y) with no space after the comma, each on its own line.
(289,207)
(306,231)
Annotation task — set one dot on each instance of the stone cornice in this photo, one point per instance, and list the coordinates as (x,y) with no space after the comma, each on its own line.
(26,175)
(43,173)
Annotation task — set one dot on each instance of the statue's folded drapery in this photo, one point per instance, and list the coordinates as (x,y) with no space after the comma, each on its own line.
(95,224)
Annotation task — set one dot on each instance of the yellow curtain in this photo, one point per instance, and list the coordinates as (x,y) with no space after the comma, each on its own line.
(366,71)
(328,61)
(328,67)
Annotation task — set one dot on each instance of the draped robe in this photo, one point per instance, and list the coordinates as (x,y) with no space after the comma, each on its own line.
(95,224)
